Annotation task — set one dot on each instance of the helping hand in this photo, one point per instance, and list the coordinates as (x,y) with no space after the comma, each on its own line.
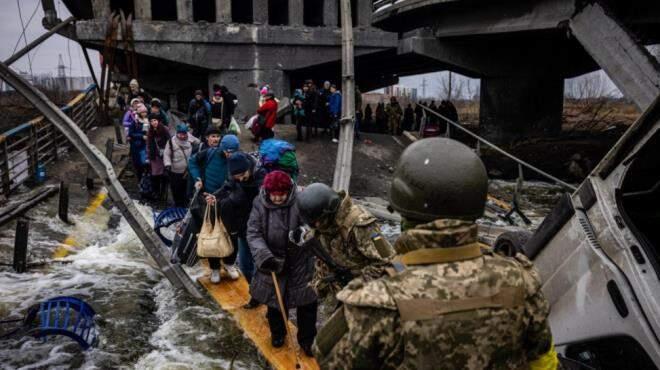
(300,235)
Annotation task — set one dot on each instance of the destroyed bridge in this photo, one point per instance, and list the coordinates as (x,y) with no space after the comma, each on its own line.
(521,50)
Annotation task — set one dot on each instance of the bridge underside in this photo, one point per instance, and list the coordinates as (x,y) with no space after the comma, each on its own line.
(523,50)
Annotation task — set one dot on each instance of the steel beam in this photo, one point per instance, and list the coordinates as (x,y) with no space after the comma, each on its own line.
(630,66)
(38,41)
(174,273)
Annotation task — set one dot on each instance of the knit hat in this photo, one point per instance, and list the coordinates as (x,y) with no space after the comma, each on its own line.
(135,100)
(155,116)
(229,143)
(238,163)
(181,128)
(155,102)
(277,182)
(211,131)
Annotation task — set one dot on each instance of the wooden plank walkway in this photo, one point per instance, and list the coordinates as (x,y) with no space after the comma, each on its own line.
(231,295)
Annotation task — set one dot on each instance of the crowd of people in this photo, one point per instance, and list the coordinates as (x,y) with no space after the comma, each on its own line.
(393,119)
(435,294)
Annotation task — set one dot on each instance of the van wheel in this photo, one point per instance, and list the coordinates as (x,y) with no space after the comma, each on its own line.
(511,242)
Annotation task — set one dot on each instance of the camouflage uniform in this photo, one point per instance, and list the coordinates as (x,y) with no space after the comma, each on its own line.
(394,114)
(454,306)
(354,241)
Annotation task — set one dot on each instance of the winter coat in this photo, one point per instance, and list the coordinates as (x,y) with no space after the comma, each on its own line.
(269,111)
(311,103)
(335,104)
(157,139)
(128,120)
(177,152)
(236,199)
(196,113)
(210,165)
(136,135)
(268,236)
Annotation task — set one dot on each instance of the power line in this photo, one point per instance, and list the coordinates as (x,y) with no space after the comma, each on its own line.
(23,32)
(20,16)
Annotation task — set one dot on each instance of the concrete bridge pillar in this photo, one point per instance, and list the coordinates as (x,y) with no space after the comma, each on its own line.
(223,11)
(330,13)
(184,10)
(248,97)
(143,9)
(513,107)
(296,12)
(260,11)
(101,8)
(364,13)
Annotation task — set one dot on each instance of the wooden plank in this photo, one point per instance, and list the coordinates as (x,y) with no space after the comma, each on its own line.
(231,295)
(11,211)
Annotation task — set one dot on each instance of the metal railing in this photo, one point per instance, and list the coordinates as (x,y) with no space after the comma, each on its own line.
(38,142)
(481,140)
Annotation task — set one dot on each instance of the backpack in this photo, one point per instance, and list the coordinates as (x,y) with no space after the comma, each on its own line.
(278,154)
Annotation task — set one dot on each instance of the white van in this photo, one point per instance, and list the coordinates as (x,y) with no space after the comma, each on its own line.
(598,253)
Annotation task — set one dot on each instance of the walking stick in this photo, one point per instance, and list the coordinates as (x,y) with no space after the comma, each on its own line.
(284,316)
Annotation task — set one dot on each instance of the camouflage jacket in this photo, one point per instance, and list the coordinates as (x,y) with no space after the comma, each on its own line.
(454,306)
(353,241)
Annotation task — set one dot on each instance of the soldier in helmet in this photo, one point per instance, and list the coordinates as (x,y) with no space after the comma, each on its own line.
(448,303)
(348,235)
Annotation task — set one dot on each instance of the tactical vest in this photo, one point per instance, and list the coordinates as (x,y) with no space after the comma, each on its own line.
(460,304)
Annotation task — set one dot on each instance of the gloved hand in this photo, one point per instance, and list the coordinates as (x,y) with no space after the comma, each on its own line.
(273,264)
(300,235)
(343,276)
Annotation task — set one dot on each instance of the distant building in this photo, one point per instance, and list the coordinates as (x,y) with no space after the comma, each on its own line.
(401,92)
(50,82)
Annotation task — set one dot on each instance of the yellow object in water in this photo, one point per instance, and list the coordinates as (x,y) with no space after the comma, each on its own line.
(70,242)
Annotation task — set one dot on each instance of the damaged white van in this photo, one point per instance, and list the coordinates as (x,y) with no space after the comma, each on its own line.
(598,253)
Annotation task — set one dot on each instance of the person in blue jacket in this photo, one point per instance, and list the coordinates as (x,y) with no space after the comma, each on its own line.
(209,169)
(334,106)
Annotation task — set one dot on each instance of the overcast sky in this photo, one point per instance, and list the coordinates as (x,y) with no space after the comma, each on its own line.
(45,57)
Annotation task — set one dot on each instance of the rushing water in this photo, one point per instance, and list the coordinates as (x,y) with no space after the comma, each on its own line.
(144,323)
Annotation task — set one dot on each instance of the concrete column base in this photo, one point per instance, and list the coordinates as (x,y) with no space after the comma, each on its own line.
(515,107)
(248,97)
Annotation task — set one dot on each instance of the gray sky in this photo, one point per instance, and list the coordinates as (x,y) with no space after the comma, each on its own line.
(44,57)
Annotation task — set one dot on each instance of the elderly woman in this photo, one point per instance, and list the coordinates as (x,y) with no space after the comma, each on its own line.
(274,214)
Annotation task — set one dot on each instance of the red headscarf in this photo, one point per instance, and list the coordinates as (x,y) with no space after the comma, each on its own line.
(277,182)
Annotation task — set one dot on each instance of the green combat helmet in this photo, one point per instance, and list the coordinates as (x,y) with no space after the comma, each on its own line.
(316,202)
(439,178)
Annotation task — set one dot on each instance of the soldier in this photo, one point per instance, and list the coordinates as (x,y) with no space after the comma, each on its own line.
(348,236)
(448,303)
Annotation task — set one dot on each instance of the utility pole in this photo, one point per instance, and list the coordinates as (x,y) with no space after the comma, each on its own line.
(342,176)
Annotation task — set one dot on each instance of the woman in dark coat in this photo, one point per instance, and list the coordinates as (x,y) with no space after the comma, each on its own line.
(157,139)
(274,214)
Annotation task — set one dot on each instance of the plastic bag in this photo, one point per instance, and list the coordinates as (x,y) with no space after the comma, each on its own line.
(234,128)
(213,240)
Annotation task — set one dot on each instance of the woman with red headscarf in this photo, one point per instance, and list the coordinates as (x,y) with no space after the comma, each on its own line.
(274,214)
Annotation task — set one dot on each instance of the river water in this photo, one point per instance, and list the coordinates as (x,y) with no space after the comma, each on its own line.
(144,323)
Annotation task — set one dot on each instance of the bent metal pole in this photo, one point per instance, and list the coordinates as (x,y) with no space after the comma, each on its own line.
(342,176)
(106,173)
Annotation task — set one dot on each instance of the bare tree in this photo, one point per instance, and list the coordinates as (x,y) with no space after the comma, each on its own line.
(451,87)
